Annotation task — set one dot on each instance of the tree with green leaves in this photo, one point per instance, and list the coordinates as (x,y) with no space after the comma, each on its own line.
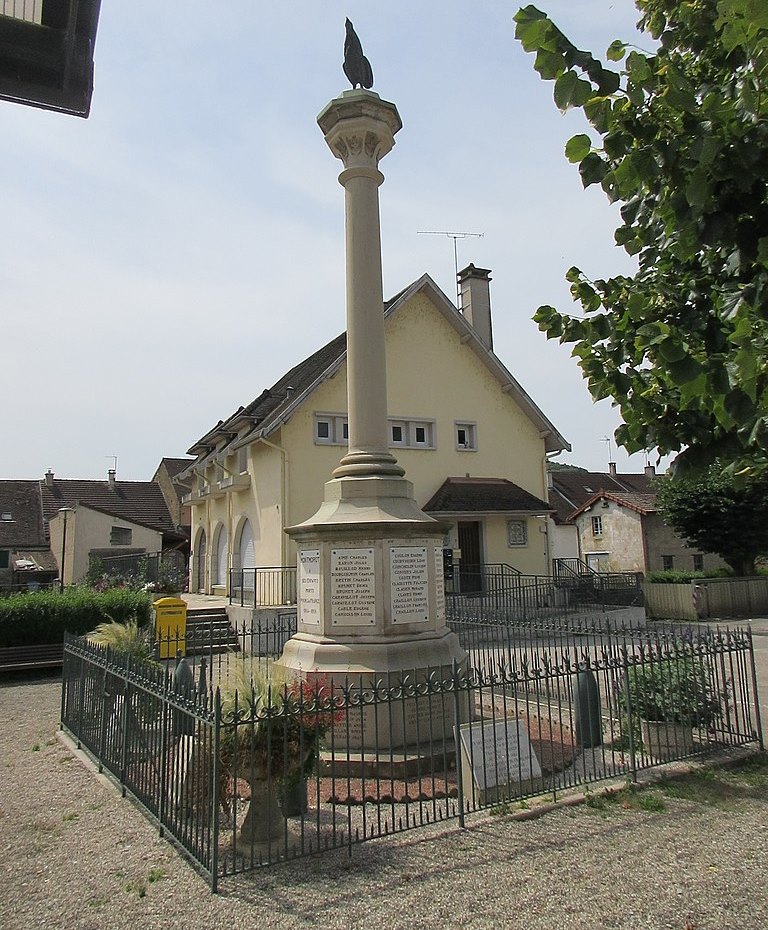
(718,513)
(679,139)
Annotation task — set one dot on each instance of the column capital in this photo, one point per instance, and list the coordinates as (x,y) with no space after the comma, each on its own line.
(360,127)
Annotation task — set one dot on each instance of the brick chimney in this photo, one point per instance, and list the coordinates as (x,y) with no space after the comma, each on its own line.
(612,469)
(49,478)
(650,471)
(111,478)
(474,285)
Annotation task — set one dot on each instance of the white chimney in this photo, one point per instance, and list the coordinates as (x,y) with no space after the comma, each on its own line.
(111,478)
(474,285)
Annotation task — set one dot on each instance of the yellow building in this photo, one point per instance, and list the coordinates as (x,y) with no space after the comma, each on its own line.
(471,440)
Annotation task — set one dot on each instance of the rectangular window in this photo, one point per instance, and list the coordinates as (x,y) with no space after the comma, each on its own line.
(517,533)
(466,436)
(398,434)
(667,563)
(6,517)
(242,459)
(698,563)
(597,526)
(333,429)
(5,558)
(120,536)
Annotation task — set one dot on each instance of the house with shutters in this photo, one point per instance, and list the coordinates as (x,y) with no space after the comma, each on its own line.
(472,441)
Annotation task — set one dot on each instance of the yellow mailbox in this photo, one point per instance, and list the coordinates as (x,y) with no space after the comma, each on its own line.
(171,626)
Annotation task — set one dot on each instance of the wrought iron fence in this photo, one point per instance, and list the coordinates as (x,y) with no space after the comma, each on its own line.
(245,769)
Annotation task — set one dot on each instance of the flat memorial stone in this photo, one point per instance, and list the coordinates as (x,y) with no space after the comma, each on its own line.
(498,760)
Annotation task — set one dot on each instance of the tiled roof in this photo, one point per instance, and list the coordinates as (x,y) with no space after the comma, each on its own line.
(42,557)
(138,501)
(21,499)
(483,495)
(572,488)
(641,503)
(174,466)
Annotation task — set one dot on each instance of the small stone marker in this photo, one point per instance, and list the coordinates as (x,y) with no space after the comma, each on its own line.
(497,760)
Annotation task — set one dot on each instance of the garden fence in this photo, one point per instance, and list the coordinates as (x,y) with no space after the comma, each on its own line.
(244,774)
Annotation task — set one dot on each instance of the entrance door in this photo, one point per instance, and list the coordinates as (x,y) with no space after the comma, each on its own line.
(201,557)
(471,565)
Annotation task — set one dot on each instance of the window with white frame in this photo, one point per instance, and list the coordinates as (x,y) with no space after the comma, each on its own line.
(517,533)
(466,436)
(597,526)
(333,429)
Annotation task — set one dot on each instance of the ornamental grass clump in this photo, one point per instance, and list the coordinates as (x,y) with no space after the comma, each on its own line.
(126,638)
(272,726)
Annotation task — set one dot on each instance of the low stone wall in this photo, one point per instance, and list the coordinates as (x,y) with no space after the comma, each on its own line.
(707,598)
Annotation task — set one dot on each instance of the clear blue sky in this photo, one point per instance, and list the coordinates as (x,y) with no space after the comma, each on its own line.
(174,254)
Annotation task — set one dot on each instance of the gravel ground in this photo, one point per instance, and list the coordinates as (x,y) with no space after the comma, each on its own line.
(75,855)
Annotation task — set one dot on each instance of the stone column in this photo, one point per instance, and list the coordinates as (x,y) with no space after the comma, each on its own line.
(371,602)
(360,128)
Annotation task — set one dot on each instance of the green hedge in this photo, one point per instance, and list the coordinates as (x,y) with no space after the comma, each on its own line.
(43,616)
(682,577)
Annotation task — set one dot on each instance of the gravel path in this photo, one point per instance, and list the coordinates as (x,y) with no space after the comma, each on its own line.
(75,855)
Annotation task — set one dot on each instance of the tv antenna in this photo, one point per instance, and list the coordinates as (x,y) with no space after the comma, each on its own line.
(114,461)
(608,440)
(455,236)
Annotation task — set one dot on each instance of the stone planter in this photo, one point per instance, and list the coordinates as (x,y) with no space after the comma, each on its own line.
(666,739)
(264,822)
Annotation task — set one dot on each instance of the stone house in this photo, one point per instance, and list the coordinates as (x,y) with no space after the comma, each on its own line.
(472,441)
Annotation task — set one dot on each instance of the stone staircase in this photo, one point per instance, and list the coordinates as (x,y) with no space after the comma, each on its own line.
(209,631)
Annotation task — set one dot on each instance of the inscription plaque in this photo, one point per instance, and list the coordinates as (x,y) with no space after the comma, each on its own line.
(353,587)
(439,588)
(409,581)
(498,757)
(309,586)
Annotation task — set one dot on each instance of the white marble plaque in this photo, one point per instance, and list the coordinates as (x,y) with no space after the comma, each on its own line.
(439,588)
(309,586)
(499,752)
(409,580)
(353,587)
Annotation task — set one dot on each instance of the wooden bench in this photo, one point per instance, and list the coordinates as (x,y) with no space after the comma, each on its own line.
(45,655)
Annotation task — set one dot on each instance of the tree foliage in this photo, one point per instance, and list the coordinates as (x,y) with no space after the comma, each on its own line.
(681,345)
(718,513)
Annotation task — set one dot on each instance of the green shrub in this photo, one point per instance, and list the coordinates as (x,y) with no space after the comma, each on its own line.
(675,689)
(683,577)
(43,616)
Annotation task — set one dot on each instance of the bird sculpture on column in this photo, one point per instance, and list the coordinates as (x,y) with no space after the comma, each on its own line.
(356,66)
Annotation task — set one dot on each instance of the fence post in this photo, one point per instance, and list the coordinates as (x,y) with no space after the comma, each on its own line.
(124,750)
(215,793)
(630,722)
(755,692)
(457,741)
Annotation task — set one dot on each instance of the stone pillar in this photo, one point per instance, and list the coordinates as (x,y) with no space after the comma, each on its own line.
(360,129)
(371,601)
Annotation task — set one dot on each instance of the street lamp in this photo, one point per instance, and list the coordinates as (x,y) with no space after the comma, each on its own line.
(64,511)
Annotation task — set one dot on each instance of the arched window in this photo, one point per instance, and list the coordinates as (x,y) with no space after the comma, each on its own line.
(246,554)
